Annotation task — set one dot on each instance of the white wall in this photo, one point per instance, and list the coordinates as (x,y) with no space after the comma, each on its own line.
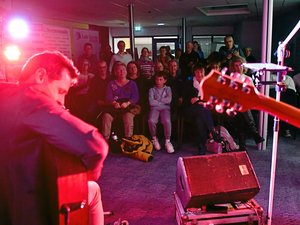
(159,31)
(215,30)
(250,35)
(149,31)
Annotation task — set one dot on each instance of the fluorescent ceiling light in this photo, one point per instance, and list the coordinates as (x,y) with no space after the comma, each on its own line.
(167,37)
(160,24)
(137,28)
(223,10)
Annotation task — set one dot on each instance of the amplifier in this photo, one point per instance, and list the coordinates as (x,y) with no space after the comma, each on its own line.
(217,178)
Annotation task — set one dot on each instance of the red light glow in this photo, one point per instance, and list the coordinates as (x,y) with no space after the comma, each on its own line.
(12,53)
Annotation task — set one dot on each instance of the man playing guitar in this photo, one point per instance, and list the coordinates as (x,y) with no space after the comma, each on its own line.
(32,115)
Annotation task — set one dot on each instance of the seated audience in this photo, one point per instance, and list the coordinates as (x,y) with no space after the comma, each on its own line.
(178,52)
(197,48)
(142,83)
(145,64)
(106,54)
(176,84)
(160,97)
(296,79)
(158,67)
(34,124)
(243,121)
(169,53)
(248,55)
(288,96)
(97,94)
(213,65)
(78,95)
(195,112)
(163,58)
(122,95)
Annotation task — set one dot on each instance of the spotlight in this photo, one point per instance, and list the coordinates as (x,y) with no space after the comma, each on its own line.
(18,28)
(12,53)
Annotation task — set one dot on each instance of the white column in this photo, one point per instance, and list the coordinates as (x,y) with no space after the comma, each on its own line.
(131,30)
(183,36)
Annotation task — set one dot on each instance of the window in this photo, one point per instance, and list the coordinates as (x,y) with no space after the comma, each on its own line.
(209,43)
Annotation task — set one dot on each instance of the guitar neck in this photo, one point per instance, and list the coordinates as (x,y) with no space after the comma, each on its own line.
(283,111)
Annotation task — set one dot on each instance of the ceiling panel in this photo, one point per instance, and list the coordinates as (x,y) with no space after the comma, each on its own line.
(146,12)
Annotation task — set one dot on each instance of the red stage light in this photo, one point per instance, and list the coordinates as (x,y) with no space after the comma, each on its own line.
(12,53)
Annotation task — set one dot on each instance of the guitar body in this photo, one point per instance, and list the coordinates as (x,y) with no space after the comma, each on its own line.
(66,178)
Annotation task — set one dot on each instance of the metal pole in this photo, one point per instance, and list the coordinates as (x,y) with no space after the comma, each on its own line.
(183,38)
(266,55)
(266,58)
(280,75)
(131,30)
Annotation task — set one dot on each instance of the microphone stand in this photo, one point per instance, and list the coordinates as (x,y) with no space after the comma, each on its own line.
(280,76)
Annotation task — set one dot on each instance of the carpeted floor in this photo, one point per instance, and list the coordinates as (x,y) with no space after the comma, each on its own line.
(142,193)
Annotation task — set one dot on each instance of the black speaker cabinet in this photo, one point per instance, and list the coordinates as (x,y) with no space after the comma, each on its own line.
(218,178)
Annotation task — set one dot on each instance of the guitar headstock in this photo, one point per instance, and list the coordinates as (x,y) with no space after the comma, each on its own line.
(228,93)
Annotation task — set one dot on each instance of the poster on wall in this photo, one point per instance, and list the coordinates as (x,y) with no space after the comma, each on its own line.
(80,37)
(41,37)
(45,37)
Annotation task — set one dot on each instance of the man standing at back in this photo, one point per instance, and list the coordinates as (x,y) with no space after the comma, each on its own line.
(121,56)
(228,51)
(32,115)
(187,61)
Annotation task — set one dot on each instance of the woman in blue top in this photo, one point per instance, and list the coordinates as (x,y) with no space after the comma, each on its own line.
(121,93)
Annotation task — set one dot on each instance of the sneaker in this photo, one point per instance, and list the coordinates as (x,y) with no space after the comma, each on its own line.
(156,144)
(169,147)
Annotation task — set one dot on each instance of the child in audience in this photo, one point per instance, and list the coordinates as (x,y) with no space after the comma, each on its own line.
(160,97)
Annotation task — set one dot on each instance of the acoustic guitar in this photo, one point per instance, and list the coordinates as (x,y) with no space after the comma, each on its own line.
(66,178)
(229,94)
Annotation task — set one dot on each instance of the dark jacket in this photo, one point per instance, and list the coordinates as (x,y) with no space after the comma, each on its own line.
(189,92)
(29,120)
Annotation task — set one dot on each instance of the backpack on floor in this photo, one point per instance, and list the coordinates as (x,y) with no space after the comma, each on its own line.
(137,146)
(226,145)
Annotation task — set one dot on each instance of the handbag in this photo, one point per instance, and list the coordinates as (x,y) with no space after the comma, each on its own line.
(133,108)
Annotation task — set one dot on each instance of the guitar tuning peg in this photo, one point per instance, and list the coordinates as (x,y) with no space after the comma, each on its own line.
(246,89)
(219,108)
(213,100)
(221,80)
(234,85)
(231,112)
(225,103)
(208,105)
(237,107)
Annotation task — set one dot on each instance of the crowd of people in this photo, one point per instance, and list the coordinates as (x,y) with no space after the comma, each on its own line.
(164,89)
(35,122)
